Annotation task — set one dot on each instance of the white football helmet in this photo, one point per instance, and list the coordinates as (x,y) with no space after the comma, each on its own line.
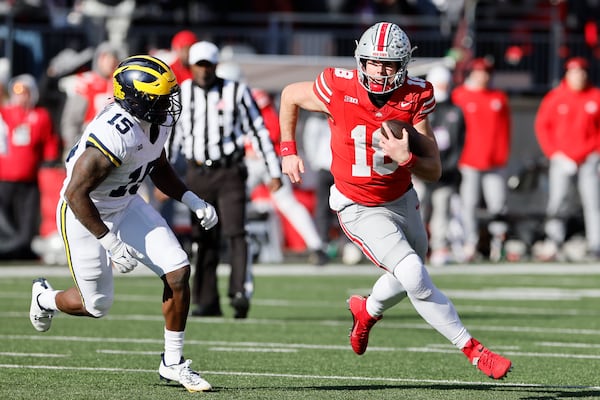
(383,41)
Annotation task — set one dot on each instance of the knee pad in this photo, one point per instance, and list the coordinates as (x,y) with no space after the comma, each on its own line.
(413,276)
(99,305)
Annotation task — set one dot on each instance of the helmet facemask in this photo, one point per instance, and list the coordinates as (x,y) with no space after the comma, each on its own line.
(384,42)
(381,84)
(161,107)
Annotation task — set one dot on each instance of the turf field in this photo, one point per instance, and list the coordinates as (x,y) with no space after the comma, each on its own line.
(294,345)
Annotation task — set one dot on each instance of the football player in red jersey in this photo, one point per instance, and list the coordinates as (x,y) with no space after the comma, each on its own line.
(372,194)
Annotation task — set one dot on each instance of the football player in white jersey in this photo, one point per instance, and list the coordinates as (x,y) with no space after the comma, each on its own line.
(106,225)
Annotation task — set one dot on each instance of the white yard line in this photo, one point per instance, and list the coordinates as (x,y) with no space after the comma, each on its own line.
(36,355)
(270,346)
(386,324)
(568,344)
(301,376)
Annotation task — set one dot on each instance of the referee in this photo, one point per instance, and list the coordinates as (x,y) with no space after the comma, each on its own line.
(216,116)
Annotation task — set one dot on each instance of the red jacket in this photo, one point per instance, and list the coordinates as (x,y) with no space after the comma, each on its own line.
(568,121)
(26,140)
(271,118)
(181,72)
(487,121)
(97,90)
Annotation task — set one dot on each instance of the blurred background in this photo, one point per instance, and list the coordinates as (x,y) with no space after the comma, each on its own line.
(275,42)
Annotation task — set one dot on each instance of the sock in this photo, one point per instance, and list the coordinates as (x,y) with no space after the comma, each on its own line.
(173,347)
(47,299)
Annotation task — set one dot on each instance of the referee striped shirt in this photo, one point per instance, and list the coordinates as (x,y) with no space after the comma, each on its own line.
(214,124)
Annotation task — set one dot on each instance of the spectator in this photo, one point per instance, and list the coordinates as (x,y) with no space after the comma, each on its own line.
(283,197)
(316,137)
(4,78)
(27,140)
(106,20)
(448,124)
(180,46)
(485,155)
(567,127)
(92,90)
(373,195)
(217,116)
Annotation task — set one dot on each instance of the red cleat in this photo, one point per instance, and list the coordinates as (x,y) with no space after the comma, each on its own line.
(361,325)
(493,365)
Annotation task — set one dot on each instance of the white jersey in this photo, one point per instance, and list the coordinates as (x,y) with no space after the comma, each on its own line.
(122,139)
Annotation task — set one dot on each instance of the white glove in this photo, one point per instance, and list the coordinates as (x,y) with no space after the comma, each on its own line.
(124,257)
(205,212)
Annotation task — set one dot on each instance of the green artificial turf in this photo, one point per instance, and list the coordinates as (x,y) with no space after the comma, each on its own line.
(294,345)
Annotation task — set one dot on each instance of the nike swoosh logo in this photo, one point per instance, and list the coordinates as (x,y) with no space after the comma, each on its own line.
(405,104)
(284,149)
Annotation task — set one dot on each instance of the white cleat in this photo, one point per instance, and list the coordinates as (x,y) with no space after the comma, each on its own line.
(183,374)
(40,317)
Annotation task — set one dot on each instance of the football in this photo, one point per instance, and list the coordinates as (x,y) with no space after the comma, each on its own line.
(396,127)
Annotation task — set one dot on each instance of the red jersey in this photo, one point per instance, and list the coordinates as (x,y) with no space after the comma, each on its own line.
(360,169)
(569,121)
(97,90)
(271,118)
(271,121)
(181,72)
(26,140)
(487,121)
